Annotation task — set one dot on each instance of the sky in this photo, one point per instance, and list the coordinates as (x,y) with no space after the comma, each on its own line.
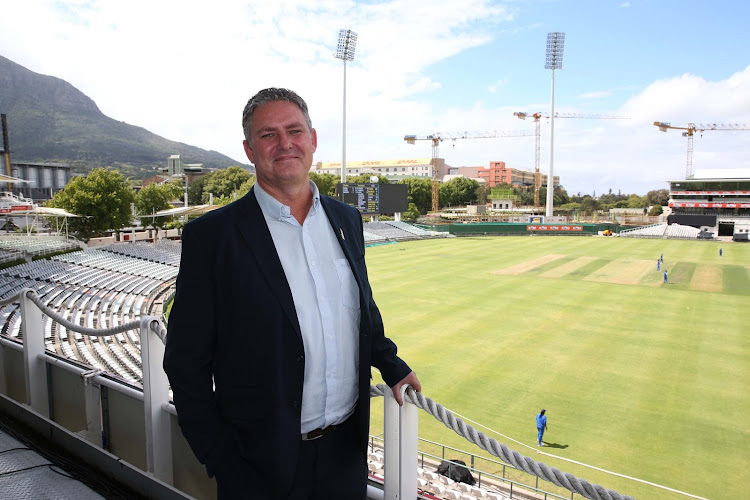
(185,69)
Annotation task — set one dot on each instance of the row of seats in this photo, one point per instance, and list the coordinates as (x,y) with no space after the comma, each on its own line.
(437,484)
(653,231)
(95,289)
(121,263)
(163,251)
(680,231)
(35,245)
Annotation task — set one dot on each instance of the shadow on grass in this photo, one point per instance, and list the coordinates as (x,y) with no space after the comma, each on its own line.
(554,445)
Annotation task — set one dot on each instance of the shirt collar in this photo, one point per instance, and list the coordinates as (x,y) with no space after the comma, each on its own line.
(273,208)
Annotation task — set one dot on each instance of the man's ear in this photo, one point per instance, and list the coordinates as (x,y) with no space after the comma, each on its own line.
(314,134)
(248,151)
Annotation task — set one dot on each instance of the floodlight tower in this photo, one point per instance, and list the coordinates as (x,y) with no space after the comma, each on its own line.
(555,45)
(345,52)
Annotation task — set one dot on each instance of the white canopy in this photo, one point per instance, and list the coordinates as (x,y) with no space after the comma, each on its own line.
(11,180)
(45,211)
(194,210)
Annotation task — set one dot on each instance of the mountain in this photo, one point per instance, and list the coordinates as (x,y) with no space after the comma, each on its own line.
(49,120)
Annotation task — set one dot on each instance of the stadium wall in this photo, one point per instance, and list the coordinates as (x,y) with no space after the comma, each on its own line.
(507,229)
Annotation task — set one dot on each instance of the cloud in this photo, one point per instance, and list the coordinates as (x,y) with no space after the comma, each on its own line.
(185,70)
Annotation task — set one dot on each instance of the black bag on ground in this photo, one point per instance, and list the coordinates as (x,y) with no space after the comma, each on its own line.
(456,470)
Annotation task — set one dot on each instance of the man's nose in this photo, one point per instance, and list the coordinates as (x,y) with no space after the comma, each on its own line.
(285,141)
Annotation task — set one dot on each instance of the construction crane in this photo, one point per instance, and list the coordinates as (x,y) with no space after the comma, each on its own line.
(690,129)
(536,116)
(439,137)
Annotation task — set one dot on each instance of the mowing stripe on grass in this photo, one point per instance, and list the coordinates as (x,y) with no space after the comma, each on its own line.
(568,267)
(529,264)
(681,274)
(736,280)
(622,272)
(707,279)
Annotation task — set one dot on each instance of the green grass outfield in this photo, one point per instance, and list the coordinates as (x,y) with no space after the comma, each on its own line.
(640,378)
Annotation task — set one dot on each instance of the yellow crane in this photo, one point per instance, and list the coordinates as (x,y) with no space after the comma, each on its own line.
(439,137)
(536,116)
(690,129)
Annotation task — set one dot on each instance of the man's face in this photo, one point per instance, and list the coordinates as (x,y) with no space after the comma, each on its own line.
(281,145)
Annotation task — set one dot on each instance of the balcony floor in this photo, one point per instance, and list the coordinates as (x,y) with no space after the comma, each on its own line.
(26,474)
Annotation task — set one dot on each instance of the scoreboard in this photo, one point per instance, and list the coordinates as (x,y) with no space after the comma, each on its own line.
(374,198)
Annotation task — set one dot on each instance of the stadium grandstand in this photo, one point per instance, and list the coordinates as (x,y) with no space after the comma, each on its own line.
(382,232)
(676,231)
(81,344)
(717,200)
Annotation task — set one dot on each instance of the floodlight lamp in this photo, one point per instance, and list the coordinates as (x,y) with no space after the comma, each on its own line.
(555,46)
(347,44)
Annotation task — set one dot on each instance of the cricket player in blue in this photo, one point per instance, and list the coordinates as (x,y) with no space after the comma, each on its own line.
(541,425)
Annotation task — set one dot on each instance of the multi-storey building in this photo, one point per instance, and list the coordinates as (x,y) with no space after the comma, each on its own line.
(392,169)
(499,173)
(720,195)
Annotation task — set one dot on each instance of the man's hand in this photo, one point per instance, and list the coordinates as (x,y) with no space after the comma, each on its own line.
(411,380)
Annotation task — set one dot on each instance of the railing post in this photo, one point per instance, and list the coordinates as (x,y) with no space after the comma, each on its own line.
(401,434)
(155,394)
(35,368)
(92,395)
(3,364)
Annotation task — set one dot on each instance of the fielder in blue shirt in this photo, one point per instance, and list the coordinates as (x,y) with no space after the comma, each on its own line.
(541,425)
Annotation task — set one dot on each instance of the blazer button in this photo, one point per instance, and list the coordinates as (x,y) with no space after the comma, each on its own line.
(296,404)
(300,358)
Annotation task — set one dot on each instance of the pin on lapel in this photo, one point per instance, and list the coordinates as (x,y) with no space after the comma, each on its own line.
(342,233)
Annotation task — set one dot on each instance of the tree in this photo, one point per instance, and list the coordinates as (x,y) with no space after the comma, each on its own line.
(658,197)
(326,183)
(656,210)
(238,193)
(365,179)
(195,189)
(635,201)
(155,197)
(102,198)
(419,192)
(589,205)
(223,182)
(412,213)
(458,191)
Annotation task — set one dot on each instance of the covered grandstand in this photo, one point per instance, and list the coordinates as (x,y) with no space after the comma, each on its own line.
(677,231)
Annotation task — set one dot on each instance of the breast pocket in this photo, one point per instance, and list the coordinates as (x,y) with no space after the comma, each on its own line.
(349,288)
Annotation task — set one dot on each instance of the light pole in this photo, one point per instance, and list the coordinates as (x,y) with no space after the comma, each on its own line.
(555,45)
(345,52)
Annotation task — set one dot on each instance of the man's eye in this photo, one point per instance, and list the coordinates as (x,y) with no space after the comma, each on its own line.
(295,132)
(264,136)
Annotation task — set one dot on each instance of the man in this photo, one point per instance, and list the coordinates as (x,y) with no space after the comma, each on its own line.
(274,328)
(541,426)
(666,280)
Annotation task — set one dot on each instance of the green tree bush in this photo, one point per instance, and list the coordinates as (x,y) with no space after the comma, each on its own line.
(102,199)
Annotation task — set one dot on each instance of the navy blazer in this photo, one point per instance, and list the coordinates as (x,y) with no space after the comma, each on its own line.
(234,354)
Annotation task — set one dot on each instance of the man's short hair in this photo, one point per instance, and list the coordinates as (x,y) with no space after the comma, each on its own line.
(271,95)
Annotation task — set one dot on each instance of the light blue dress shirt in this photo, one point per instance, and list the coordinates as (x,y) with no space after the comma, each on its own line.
(326,298)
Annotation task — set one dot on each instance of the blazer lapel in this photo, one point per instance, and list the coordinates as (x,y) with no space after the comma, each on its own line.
(256,235)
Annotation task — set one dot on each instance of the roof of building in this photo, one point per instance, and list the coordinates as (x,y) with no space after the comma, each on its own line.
(375,163)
